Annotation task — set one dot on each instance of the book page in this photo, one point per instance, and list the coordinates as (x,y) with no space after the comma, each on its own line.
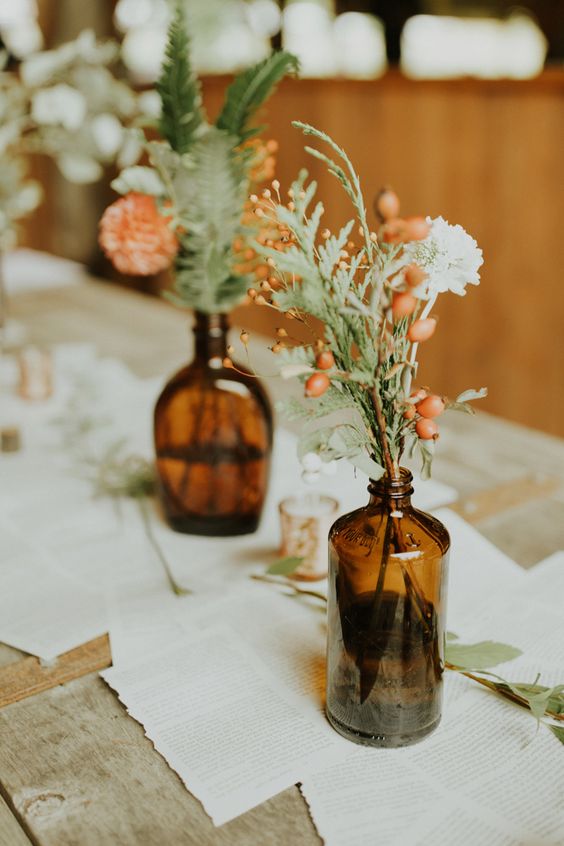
(221,722)
(42,610)
(477,569)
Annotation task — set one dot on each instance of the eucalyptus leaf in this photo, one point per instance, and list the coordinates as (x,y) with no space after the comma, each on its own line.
(480,656)
(558,732)
(284,566)
(472,394)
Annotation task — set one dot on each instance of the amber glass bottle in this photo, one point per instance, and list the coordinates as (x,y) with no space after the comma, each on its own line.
(387,594)
(213,440)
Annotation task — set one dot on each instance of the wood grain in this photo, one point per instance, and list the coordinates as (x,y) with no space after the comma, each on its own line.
(11,834)
(80,772)
(29,677)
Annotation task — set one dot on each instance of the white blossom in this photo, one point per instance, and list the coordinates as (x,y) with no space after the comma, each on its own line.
(107,132)
(311,462)
(78,168)
(61,104)
(449,256)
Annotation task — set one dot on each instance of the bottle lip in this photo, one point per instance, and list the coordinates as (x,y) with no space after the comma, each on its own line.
(210,323)
(395,487)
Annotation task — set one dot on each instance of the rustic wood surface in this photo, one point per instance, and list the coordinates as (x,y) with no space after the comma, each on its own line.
(75,770)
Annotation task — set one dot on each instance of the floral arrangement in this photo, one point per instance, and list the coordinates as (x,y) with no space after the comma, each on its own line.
(374,300)
(190,205)
(68,104)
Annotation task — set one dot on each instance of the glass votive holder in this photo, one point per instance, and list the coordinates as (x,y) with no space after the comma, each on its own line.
(305,522)
(10,439)
(35,373)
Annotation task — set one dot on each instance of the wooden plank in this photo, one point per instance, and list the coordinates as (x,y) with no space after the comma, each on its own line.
(11,833)
(80,772)
(28,676)
(508,495)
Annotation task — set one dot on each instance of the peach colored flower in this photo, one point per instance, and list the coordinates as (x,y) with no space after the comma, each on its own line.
(136,237)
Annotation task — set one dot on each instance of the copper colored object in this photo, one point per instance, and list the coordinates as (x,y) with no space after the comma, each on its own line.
(213,440)
(10,440)
(386,618)
(36,374)
(305,523)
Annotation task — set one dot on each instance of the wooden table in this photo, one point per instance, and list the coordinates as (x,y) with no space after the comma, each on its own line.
(74,768)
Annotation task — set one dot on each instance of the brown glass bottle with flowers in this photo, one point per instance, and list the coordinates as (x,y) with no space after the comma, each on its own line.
(190,207)
(388,561)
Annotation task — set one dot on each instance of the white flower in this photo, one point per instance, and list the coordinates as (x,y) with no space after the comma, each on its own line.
(107,132)
(79,169)
(449,256)
(60,104)
(311,462)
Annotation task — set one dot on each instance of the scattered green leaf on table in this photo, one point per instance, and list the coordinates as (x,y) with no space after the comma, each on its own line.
(284,566)
(558,731)
(480,656)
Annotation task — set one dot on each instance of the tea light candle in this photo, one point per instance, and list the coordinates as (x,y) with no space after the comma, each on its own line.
(36,373)
(306,521)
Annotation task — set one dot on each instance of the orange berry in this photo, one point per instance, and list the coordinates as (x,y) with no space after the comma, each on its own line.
(251,292)
(409,412)
(426,429)
(325,360)
(431,406)
(317,384)
(422,330)
(403,304)
(414,275)
(227,362)
(393,231)
(387,204)
(416,228)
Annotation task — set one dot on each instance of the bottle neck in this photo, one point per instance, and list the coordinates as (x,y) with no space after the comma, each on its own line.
(210,335)
(393,493)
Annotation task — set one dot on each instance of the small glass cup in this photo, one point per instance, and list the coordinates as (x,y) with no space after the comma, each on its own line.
(305,522)
(36,374)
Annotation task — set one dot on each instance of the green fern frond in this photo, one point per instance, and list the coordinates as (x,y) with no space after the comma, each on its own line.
(250,90)
(182,116)
(214,185)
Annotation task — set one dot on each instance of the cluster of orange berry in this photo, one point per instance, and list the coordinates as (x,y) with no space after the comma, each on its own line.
(423,407)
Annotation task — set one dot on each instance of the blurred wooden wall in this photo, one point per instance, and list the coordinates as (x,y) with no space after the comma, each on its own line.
(485,154)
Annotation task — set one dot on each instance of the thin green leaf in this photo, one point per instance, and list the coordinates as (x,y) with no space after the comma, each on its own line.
(285,566)
(480,656)
(250,90)
(472,394)
(182,117)
(558,732)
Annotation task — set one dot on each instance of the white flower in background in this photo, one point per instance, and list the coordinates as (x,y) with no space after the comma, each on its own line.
(60,104)
(149,103)
(79,169)
(449,256)
(107,133)
(313,466)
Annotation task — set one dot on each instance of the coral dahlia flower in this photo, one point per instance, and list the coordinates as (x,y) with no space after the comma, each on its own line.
(136,237)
